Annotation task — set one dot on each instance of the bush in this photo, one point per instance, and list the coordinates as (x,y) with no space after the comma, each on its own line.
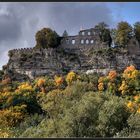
(6,132)
(71,76)
(53,108)
(50,102)
(93,115)
(44,84)
(12,116)
(133,128)
(91,79)
(131,81)
(112,116)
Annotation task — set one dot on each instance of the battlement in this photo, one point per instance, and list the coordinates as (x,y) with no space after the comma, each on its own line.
(21,50)
(26,51)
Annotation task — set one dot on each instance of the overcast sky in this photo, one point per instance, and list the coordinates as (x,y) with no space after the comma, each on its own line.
(20,21)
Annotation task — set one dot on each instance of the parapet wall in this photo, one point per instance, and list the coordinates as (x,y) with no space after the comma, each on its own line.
(21,50)
(18,52)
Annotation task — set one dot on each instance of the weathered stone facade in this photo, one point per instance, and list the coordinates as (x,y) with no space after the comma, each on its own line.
(85,39)
(81,53)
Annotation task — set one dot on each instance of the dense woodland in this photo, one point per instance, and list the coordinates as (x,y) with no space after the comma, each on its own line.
(74,105)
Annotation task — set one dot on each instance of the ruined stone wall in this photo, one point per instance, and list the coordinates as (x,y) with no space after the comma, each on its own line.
(40,62)
(84,40)
(73,55)
(34,62)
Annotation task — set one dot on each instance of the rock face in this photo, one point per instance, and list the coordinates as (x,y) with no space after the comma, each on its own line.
(82,53)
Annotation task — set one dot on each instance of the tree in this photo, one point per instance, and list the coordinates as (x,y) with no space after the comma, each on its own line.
(1,74)
(113,36)
(101,26)
(46,38)
(104,33)
(123,33)
(65,34)
(137,30)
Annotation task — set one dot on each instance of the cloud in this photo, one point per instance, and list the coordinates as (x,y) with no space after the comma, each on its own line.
(9,27)
(71,16)
(20,21)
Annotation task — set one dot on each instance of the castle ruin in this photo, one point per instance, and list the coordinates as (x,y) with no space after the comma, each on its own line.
(84,52)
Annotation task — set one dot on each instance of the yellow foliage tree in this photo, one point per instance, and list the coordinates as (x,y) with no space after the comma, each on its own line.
(131,81)
(41,82)
(58,80)
(71,76)
(12,115)
(24,86)
(101,84)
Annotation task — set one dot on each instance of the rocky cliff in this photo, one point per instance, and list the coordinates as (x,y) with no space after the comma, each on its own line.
(32,62)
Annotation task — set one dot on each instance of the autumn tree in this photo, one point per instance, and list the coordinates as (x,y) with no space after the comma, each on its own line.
(137,30)
(104,32)
(46,38)
(124,33)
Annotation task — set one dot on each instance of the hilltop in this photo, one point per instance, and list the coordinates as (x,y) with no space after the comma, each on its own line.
(92,50)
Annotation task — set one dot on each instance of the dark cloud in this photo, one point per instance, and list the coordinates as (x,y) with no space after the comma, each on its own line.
(20,21)
(74,15)
(9,27)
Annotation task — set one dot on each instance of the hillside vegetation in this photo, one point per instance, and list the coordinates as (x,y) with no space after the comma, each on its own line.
(72,106)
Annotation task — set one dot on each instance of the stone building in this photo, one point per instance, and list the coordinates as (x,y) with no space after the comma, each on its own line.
(86,38)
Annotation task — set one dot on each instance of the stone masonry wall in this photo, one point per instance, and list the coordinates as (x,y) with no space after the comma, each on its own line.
(82,53)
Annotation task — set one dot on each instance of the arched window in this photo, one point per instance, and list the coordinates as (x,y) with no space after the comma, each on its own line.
(91,41)
(73,41)
(89,33)
(82,41)
(83,33)
(87,41)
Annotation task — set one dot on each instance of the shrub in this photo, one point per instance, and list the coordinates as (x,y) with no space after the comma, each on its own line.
(71,76)
(133,128)
(6,132)
(51,108)
(12,116)
(93,115)
(44,84)
(91,79)
(50,102)
(112,116)
(131,81)
(60,82)
(12,104)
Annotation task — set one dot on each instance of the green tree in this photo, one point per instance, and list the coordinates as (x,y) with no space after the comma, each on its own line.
(137,30)
(46,38)
(1,74)
(113,36)
(104,33)
(123,34)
